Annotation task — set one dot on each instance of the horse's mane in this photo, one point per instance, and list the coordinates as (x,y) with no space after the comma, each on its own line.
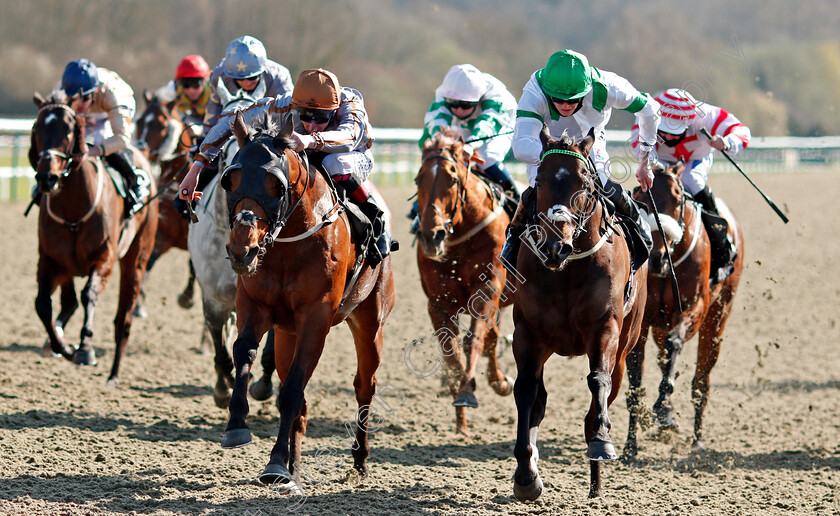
(266,126)
(444,138)
(565,141)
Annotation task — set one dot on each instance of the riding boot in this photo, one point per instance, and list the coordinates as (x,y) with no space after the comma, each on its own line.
(383,245)
(135,184)
(499,175)
(641,240)
(723,249)
(517,226)
(414,216)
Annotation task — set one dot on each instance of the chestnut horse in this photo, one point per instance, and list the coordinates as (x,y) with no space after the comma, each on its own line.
(572,299)
(462,231)
(705,308)
(157,131)
(82,232)
(291,246)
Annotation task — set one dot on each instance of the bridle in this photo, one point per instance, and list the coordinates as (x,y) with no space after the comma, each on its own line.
(460,196)
(579,218)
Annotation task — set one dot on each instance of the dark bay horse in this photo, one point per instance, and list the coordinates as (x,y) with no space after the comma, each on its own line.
(82,232)
(704,309)
(462,231)
(291,246)
(571,300)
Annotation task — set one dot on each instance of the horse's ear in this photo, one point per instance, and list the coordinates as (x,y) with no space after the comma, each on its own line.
(287,126)
(240,130)
(147,96)
(38,100)
(33,150)
(545,137)
(586,144)
(679,167)
(171,104)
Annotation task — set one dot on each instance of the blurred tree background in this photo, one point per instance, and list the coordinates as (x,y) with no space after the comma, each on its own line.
(775,64)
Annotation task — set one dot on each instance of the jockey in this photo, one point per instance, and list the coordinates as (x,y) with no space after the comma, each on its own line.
(107,103)
(244,68)
(480,108)
(192,91)
(571,97)
(333,121)
(680,138)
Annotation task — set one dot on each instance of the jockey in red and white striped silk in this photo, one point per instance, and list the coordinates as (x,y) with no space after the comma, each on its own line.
(680,137)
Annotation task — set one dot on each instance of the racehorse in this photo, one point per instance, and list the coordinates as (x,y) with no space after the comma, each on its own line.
(157,131)
(462,231)
(571,299)
(166,141)
(82,232)
(705,309)
(206,241)
(291,246)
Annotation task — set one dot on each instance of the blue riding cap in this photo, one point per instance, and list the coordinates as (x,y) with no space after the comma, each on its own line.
(245,58)
(80,76)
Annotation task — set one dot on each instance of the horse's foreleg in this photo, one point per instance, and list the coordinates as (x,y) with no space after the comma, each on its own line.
(530,395)
(671,347)
(311,331)
(245,347)
(97,281)
(635,395)
(446,332)
(602,352)
(47,283)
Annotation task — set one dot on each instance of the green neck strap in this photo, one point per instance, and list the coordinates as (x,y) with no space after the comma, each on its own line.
(566,152)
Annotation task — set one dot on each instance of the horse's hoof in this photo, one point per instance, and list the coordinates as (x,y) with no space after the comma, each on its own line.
(47,352)
(530,492)
(503,387)
(221,398)
(279,478)
(113,382)
(139,311)
(465,399)
(262,389)
(185,302)
(698,446)
(236,438)
(84,357)
(601,450)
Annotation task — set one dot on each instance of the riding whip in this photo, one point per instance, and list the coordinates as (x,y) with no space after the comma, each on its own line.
(487,137)
(769,201)
(674,283)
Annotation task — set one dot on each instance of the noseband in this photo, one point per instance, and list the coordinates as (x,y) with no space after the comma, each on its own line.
(579,217)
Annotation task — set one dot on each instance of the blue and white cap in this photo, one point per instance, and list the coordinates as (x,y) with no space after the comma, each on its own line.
(80,76)
(245,58)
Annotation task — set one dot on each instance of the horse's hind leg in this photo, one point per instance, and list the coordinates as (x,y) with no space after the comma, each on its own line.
(140,304)
(47,283)
(185,298)
(214,320)
(262,388)
(447,333)
(708,351)
(635,395)
(366,326)
(501,384)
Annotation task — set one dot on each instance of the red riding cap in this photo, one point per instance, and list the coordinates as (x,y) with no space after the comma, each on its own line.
(192,66)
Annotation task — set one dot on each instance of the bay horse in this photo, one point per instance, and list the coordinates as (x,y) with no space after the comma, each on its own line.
(292,248)
(462,231)
(166,141)
(705,309)
(82,232)
(572,300)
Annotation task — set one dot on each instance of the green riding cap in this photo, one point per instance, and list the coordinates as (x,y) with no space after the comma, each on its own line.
(567,75)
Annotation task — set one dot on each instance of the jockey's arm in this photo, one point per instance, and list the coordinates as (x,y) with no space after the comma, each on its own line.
(526,144)
(728,133)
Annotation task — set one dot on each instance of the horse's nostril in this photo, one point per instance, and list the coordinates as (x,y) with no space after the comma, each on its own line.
(439,236)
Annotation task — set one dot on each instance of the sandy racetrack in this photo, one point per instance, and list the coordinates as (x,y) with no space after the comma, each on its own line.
(71,445)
